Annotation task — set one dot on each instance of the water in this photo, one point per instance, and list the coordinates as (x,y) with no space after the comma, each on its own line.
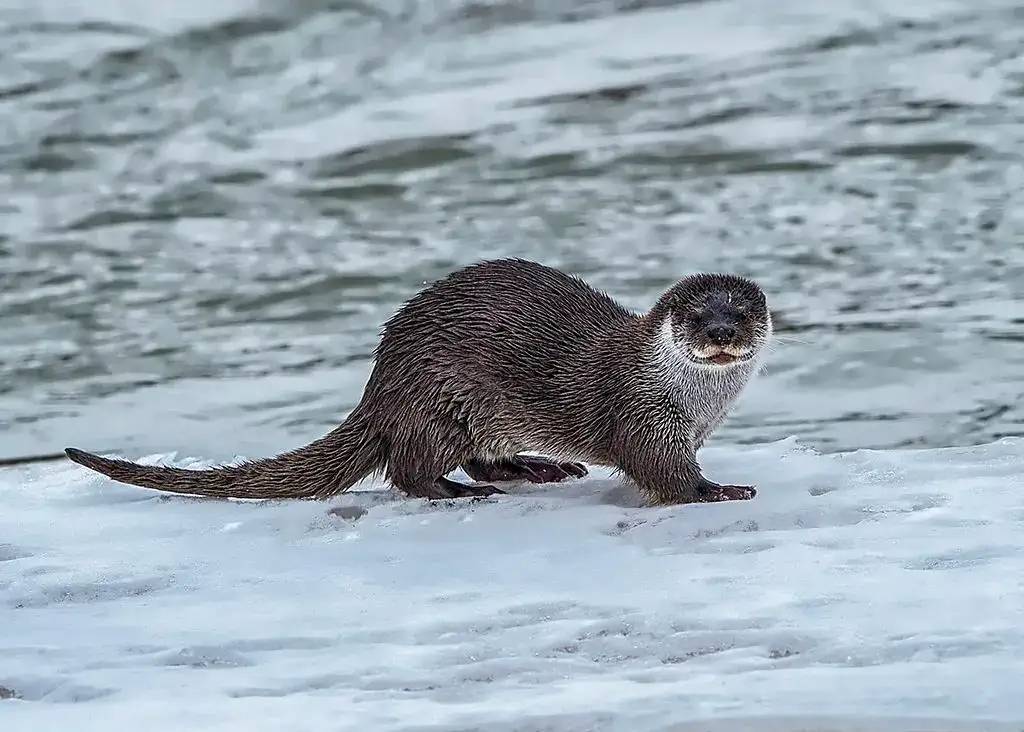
(207,209)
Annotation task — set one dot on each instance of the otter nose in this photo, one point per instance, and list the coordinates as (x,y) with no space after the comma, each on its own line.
(720,335)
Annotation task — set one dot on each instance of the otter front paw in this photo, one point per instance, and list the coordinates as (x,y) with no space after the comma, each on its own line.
(714,493)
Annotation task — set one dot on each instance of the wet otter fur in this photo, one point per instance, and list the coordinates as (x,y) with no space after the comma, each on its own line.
(506,357)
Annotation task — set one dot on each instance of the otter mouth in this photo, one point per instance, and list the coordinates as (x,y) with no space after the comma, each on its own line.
(721,357)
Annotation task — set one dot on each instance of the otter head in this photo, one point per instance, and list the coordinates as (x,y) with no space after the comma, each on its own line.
(715,321)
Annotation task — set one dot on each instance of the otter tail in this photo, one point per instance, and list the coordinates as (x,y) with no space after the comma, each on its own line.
(323,468)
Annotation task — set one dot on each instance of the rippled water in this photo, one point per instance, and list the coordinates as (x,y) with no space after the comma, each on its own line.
(207,209)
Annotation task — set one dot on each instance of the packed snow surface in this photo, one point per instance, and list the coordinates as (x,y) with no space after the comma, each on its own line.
(858,590)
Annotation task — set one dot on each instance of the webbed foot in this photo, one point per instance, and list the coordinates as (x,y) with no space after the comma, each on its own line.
(713,493)
(445,488)
(525,467)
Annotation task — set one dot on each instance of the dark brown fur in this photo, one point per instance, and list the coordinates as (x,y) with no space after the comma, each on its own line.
(509,356)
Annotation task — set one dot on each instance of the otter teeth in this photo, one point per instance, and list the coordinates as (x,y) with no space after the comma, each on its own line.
(706,352)
(719,356)
(710,352)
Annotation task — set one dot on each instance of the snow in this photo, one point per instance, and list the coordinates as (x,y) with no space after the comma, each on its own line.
(855,589)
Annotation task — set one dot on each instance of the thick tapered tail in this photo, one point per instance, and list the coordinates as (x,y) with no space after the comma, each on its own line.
(321,469)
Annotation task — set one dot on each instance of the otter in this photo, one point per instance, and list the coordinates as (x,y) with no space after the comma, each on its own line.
(509,357)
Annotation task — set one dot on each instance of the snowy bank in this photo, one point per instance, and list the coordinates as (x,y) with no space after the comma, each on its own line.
(888,584)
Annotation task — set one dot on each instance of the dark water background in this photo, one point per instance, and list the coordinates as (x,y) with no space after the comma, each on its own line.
(208,208)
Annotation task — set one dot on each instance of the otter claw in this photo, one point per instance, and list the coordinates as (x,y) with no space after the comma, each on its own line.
(577,470)
(714,494)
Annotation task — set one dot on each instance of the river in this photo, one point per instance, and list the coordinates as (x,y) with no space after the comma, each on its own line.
(208,209)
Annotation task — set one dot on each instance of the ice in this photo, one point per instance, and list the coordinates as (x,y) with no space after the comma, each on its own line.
(855,591)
